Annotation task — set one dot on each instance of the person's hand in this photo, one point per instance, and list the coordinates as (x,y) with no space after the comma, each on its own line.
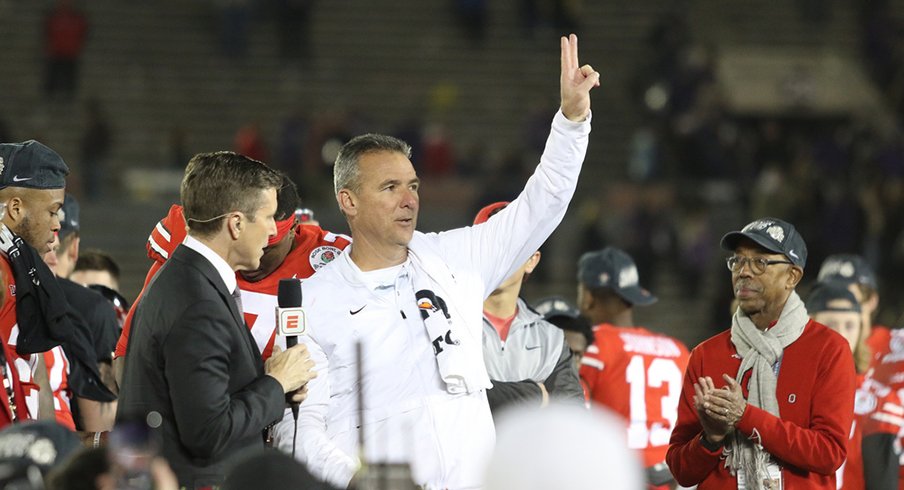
(299,395)
(544,394)
(715,429)
(163,476)
(727,405)
(576,81)
(292,368)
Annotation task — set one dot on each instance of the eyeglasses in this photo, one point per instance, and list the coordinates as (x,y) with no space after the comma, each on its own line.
(757,264)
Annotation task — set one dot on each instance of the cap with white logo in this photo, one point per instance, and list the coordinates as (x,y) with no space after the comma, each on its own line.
(69,215)
(613,268)
(555,306)
(849,269)
(41,444)
(774,235)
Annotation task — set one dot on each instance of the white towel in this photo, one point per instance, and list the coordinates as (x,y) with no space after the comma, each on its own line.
(459,356)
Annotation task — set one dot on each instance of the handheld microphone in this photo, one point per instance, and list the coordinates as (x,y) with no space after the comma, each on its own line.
(289,314)
(290,318)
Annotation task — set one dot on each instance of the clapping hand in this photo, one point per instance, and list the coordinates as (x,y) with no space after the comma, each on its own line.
(576,82)
(727,404)
(714,424)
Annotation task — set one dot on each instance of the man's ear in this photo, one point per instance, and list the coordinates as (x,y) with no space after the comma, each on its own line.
(795,274)
(235,225)
(586,301)
(873,303)
(72,253)
(348,202)
(15,210)
(532,262)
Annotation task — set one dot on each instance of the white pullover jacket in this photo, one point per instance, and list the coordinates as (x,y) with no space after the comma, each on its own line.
(409,416)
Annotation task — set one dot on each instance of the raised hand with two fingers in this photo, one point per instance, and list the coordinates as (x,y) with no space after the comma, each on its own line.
(576,81)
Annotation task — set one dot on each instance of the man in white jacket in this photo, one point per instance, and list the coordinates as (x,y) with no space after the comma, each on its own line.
(414,303)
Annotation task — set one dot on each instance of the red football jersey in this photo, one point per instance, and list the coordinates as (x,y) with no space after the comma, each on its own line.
(11,390)
(58,373)
(877,410)
(12,382)
(887,345)
(314,248)
(879,407)
(167,235)
(23,366)
(880,342)
(872,400)
(638,374)
(888,417)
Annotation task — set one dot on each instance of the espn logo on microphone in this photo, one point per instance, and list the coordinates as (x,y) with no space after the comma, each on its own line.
(291,321)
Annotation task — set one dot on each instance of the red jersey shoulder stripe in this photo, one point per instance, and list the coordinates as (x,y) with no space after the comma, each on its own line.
(167,235)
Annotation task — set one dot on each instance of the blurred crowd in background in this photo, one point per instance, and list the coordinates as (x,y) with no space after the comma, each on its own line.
(691,167)
(840,177)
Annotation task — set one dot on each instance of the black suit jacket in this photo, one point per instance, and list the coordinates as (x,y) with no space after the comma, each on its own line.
(192,359)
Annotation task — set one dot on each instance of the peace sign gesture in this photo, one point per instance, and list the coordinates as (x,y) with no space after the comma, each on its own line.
(576,81)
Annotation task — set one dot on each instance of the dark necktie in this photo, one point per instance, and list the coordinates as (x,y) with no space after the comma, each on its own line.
(237,297)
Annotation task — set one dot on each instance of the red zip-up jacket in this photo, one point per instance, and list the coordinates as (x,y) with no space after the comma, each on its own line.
(815,394)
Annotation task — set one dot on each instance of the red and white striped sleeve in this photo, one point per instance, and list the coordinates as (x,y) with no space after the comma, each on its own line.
(166,235)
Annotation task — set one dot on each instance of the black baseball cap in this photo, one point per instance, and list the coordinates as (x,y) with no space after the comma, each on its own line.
(43,444)
(266,468)
(554,306)
(31,164)
(69,215)
(774,235)
(849,269)
(832,296)
(614,269)
(559,312)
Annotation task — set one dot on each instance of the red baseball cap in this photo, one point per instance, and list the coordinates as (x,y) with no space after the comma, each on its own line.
(489,210)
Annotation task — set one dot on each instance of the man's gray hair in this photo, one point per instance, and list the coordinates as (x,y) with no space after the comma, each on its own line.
(345,170)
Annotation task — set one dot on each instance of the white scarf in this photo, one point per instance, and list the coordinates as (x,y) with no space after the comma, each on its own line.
(459,355)
(760,351)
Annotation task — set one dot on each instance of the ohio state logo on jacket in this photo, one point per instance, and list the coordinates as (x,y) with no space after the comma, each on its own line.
(429,303)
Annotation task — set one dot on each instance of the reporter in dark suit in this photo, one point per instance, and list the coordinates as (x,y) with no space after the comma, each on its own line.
(191,357)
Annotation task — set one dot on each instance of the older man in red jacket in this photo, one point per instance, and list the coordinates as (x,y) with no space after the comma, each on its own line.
(768,403)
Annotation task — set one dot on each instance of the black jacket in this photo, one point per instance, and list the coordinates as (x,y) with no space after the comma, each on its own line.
(192,359)
(46,320)
(97,313)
